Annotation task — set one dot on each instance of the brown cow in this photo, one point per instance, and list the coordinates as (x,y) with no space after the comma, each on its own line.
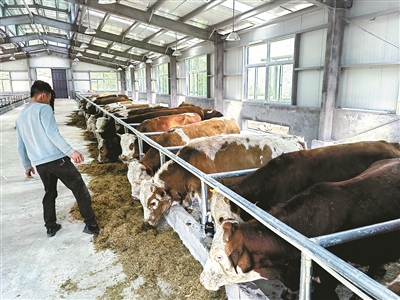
(110,99)
(209,113)
(178,136)
(174,184)
(164,112)
(291,173)
(129,141)
(249,247)
(88,108)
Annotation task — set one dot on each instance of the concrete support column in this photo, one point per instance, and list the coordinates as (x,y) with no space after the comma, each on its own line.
(173,84)
(71,90)
(133,91)
(219,77)
(148,83)
(123,81)
(330,84)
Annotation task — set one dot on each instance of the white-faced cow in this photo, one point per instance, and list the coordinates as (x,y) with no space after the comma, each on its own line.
(249,250)
(285,176)
(178,136)
(174,184)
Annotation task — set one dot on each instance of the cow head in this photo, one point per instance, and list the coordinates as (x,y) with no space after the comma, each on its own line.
(91,124)
(247,251)
(211,113)
(101,124)
(220,208)
(219,269)
(158,203)
(129,147)
(136,175)
(109,149)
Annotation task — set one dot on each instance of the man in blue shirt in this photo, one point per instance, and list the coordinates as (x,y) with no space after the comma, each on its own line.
(40,144)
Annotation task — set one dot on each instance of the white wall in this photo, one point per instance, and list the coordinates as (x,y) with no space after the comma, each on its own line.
(370,78)
(80,75)
(49,61)
(19,75)
(311,59)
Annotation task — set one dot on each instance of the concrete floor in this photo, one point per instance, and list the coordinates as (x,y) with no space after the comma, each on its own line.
(34,266)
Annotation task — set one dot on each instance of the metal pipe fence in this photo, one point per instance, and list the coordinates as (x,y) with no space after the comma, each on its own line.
(12,100)
(355,280)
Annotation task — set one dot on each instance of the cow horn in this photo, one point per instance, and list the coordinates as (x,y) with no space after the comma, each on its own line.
(137,181)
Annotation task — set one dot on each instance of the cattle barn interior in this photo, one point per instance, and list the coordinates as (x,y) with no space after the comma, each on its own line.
(324,71)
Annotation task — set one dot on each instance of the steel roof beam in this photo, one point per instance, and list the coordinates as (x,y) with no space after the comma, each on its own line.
(133,43)
(201,9)
(251,13)
(148,18)
(156,5)
(37,6)
(31,37)
(80,29)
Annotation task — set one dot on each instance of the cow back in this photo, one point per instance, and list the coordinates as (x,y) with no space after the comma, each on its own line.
(369,198)
(111,99)
(283,177)
(181,135)
(164,123)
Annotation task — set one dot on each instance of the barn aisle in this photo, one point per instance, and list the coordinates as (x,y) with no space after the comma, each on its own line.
(34,266)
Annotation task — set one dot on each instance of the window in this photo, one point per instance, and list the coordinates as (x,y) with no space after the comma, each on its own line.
(103,81)
(162,79)
(269,70)
(5,82)
(197,76)
(141,79)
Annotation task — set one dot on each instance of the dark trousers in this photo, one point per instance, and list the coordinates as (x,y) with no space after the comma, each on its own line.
(64,170)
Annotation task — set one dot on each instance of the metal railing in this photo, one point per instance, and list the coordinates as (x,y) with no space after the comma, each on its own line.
(12,100)
(355,280)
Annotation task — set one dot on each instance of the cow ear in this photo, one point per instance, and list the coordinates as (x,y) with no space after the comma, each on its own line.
(234,258)
(175,196)
(149,171)
(163,193)
(228,231)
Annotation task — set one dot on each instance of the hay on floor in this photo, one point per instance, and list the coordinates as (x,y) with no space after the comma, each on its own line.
(158,256)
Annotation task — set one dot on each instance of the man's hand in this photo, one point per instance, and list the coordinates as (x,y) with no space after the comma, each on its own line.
(28,172)
(77,157)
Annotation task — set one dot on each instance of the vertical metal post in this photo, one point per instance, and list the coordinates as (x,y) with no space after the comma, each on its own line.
(203,204)
(116,124)
(140,142)
(305,277)
(162,158)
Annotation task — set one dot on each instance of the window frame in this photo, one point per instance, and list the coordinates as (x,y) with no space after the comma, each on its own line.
(140,78)
(263,87)
(197,77)
(105,82)
(4,79)
(162,79)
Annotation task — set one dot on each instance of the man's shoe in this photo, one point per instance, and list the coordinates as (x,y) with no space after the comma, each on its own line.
(91,229)
(51,231)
